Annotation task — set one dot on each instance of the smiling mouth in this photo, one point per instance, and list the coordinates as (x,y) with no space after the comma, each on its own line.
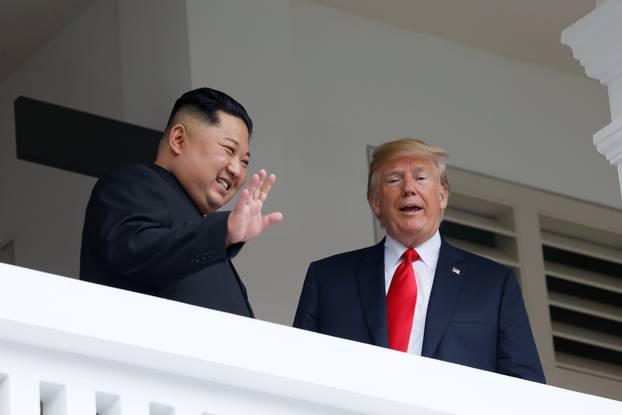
(410,209)
(224,184)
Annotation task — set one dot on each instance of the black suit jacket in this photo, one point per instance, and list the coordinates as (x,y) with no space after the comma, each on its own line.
(143,233)
(475,317)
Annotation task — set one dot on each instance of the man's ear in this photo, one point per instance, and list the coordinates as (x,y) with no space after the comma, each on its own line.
(444,196)
(374,204)
(177,138)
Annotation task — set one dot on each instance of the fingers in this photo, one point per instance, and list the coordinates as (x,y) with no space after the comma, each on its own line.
(246,221)
(260,186)
(242,202)
(252,187)
(265,187)
(261,177)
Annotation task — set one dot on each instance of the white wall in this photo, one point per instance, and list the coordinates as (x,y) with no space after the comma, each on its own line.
(42,207)
(154,59)
(321,85)
(125,59)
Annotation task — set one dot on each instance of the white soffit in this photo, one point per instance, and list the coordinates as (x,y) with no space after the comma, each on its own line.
(525,30)
(27,25)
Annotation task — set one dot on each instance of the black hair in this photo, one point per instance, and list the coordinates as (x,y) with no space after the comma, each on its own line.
(206,102)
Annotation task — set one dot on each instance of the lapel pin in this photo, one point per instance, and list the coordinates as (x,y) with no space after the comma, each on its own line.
(455,270)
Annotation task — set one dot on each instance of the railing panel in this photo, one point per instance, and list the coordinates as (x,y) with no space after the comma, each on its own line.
(86,348)
(107,404)
(23,391)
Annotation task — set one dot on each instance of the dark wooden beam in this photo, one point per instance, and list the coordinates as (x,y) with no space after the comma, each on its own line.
(77,141)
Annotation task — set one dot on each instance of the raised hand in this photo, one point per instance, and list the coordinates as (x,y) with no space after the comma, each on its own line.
(246,220)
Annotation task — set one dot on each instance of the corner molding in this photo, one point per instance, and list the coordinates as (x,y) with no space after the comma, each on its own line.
(608,141)
(595,41)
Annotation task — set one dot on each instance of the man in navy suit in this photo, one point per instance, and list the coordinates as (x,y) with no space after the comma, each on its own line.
(156,228)
(413,291)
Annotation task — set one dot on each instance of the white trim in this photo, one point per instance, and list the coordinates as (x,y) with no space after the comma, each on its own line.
(608,141)
(595,41)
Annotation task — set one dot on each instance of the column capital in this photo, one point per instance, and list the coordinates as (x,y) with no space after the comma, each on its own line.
(595,41)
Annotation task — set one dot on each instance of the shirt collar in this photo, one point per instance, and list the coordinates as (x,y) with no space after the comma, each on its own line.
(428,251)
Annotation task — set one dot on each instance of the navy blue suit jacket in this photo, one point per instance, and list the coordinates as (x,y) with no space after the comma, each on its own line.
(475,317)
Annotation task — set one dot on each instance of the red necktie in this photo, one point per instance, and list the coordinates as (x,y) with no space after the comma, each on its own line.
(401,301)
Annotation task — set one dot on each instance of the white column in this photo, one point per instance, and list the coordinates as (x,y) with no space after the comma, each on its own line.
(595,41)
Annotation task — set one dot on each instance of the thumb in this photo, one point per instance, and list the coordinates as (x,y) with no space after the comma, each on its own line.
(272,219)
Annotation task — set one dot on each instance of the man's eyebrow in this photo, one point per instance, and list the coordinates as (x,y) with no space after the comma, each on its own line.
(394,172)
(232,140)
(424,170)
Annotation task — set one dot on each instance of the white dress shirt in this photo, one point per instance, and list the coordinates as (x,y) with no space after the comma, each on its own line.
(424,268)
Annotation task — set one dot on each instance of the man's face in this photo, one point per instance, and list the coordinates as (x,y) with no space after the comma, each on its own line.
(408,199)
(213,159)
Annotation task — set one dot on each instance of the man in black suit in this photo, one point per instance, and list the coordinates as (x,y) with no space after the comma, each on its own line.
(155,229)
(413,291)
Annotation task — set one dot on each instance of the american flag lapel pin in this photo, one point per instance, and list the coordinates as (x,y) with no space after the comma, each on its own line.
(455,271)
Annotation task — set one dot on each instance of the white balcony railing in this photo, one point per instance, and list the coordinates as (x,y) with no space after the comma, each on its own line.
(81,348)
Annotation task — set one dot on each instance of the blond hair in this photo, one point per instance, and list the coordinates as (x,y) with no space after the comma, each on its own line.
(407,147)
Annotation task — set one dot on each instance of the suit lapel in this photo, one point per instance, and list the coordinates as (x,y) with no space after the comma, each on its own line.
(370,278)
(243,288)
(445,290)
